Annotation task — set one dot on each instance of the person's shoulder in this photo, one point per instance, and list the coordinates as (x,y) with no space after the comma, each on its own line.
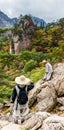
(48,63)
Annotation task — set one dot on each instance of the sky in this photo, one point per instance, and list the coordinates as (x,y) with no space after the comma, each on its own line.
(49,10)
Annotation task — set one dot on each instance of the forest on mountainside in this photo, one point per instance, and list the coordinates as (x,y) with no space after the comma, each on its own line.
(44,43)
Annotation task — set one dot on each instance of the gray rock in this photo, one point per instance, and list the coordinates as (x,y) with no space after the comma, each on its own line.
(53,123)
(58,78)
(46,100)
(61,100)
(34,120)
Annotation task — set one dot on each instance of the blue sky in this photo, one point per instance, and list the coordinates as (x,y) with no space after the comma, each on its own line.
(49,10)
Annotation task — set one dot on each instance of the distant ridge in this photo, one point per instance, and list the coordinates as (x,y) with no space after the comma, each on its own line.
(6,22)
(39,22)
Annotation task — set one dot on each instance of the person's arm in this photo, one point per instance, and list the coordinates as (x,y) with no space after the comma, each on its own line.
(47,68)
(31,86)
(14,94)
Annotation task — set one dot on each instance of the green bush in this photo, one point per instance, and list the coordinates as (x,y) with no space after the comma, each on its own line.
(38,56)
(24,55)
(36,74)
(31,64)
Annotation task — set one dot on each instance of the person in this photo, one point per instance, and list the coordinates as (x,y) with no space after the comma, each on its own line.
(49,71)
(20,97)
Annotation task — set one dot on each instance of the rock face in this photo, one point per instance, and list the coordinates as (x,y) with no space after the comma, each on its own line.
(53,123)
(45,95)
(5,125)
(58,78)
(61,100)
(46,98)
(36,121)
(21,44)
(22,38)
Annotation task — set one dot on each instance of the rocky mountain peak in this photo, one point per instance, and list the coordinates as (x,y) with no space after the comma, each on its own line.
(5,21)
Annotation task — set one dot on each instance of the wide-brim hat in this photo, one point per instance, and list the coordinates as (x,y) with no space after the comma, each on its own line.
(22,80)
(44,61)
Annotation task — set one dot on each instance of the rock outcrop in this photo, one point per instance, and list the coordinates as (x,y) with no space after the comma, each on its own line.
(58,78)
(49,93)
(53,123)
(5,125)
(21,44)
(42,93)
(36,121)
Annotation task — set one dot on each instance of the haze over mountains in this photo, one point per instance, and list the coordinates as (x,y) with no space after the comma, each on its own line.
(6,22)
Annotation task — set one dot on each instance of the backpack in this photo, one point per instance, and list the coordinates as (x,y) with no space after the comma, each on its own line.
(22,96)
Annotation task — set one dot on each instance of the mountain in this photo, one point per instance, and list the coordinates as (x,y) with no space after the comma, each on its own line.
(5,21)
(39,22)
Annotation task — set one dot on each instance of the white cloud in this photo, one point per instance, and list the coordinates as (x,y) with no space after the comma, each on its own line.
(49,10)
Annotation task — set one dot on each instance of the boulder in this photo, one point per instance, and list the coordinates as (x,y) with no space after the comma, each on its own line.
(35,120)
(58,78)
(46,98)
(53,123)
(3,123)
(61,100)
(11,126)
(45,95)
(33,93)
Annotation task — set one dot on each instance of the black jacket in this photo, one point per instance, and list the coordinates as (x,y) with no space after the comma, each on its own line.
(14,93)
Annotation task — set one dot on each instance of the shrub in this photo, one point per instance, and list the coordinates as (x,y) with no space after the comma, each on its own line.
(30,65)
(36,74)
(25,55)
(38,56)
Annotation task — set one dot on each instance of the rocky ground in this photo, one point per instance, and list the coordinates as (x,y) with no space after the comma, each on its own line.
(46,102)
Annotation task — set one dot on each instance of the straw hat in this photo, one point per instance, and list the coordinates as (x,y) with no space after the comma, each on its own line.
(44,61)
(22,80)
